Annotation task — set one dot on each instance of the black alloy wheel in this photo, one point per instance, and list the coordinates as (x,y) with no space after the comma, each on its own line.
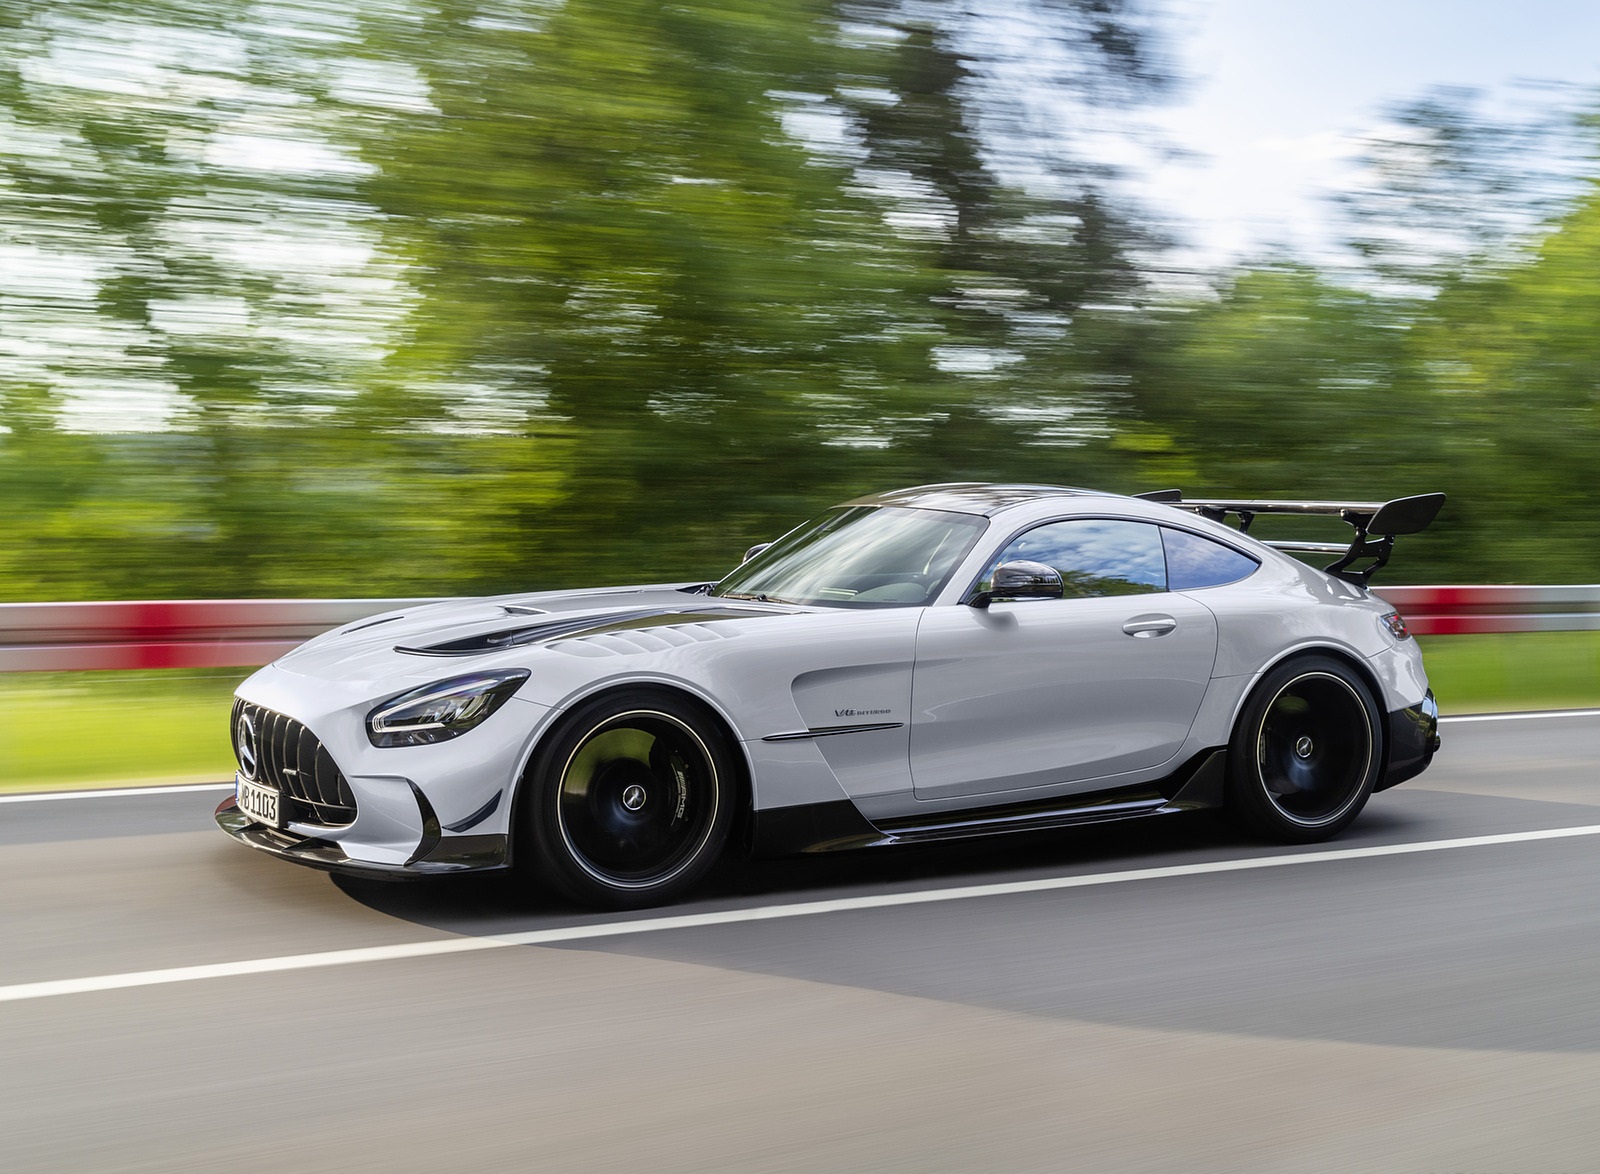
(632,800)
(1306,751)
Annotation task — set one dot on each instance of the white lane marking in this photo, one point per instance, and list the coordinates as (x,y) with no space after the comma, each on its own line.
(1525,717)
(1520,717)
(113,792)
(613,929)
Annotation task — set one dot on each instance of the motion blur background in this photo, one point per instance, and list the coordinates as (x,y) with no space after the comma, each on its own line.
(419,298)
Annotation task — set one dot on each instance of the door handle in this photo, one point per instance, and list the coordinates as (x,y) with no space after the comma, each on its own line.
(1147,626)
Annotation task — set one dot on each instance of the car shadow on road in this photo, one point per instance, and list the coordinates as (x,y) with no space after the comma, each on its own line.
(1384,950)
(509,902)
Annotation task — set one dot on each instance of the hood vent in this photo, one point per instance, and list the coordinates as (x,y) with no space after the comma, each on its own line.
(586,625)
(369,624)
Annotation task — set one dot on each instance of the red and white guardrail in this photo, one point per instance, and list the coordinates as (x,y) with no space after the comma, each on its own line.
(210,633)
(1457,611)
(169,634)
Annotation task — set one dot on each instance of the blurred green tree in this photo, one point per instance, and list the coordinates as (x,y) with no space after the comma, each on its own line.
(187,273)
(406,297)
(627,264)
(974,125)
(1513,358)
(747,256)
(1446,186)
(1284,384)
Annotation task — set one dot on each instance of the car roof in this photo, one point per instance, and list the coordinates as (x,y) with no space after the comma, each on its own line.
(969,497)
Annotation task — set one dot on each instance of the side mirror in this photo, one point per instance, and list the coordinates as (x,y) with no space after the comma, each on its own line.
(753,551)
(1021,580)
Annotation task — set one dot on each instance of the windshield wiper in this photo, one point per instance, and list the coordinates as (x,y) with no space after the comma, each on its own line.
(757,597)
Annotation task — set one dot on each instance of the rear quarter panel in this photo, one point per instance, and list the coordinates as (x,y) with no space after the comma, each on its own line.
(1287,608)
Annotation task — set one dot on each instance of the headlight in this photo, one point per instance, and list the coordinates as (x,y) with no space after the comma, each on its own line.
(442,710)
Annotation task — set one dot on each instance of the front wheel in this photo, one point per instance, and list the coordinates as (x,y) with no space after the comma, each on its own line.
(1305,753)
(631,800)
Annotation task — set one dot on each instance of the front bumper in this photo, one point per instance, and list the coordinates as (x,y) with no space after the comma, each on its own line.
(452,854)
(1413,738)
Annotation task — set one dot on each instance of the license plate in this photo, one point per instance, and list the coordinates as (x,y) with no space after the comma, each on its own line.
(260,803)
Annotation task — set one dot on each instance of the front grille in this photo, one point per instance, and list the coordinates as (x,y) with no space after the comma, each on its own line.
(290,757)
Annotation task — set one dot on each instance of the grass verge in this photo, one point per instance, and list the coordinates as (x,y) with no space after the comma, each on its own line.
(69,730)
(65,730)
(1512,671)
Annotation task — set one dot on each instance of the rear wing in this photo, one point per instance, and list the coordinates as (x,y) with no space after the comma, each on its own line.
(1376,524)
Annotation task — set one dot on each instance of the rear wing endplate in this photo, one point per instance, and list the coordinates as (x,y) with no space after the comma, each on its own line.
(1376,524)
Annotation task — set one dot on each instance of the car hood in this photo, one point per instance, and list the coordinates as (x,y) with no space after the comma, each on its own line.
(473,633)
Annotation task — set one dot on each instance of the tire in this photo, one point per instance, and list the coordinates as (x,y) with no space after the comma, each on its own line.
(631,800)
(1305,753)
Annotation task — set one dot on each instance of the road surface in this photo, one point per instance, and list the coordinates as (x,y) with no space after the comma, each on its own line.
(1164,995)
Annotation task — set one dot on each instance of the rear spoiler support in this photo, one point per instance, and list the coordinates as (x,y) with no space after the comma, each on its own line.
(1376,523)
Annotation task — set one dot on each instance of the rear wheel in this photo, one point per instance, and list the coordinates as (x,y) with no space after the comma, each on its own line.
(631,800)
(1306,751)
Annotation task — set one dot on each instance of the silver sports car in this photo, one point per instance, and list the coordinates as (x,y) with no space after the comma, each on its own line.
(921,665)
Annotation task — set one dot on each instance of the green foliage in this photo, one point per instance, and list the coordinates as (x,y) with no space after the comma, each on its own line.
(54,732)
(644,256)
(1524,382)
(405,297)
(1510,671)
(1449,188)
(1290,384)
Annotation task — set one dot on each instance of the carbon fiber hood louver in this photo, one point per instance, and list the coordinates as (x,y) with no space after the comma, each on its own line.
(586,625)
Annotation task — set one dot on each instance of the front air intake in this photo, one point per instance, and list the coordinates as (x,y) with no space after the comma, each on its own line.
(283,753)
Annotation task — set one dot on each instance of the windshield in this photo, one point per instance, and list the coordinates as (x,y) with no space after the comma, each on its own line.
(859,556)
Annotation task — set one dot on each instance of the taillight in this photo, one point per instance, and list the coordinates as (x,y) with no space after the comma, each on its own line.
(1394,623)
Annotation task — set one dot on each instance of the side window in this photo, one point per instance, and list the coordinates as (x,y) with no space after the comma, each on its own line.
(1193,561)
(1096,556)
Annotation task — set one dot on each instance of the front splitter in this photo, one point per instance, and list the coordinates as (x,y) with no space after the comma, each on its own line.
(467,853)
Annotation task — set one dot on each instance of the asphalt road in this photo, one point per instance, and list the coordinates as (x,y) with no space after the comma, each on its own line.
(1384,1008)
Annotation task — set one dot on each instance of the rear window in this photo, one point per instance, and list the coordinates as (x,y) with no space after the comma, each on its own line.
(1193,561)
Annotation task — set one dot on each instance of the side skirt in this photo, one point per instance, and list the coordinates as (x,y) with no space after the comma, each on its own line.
(837,826)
